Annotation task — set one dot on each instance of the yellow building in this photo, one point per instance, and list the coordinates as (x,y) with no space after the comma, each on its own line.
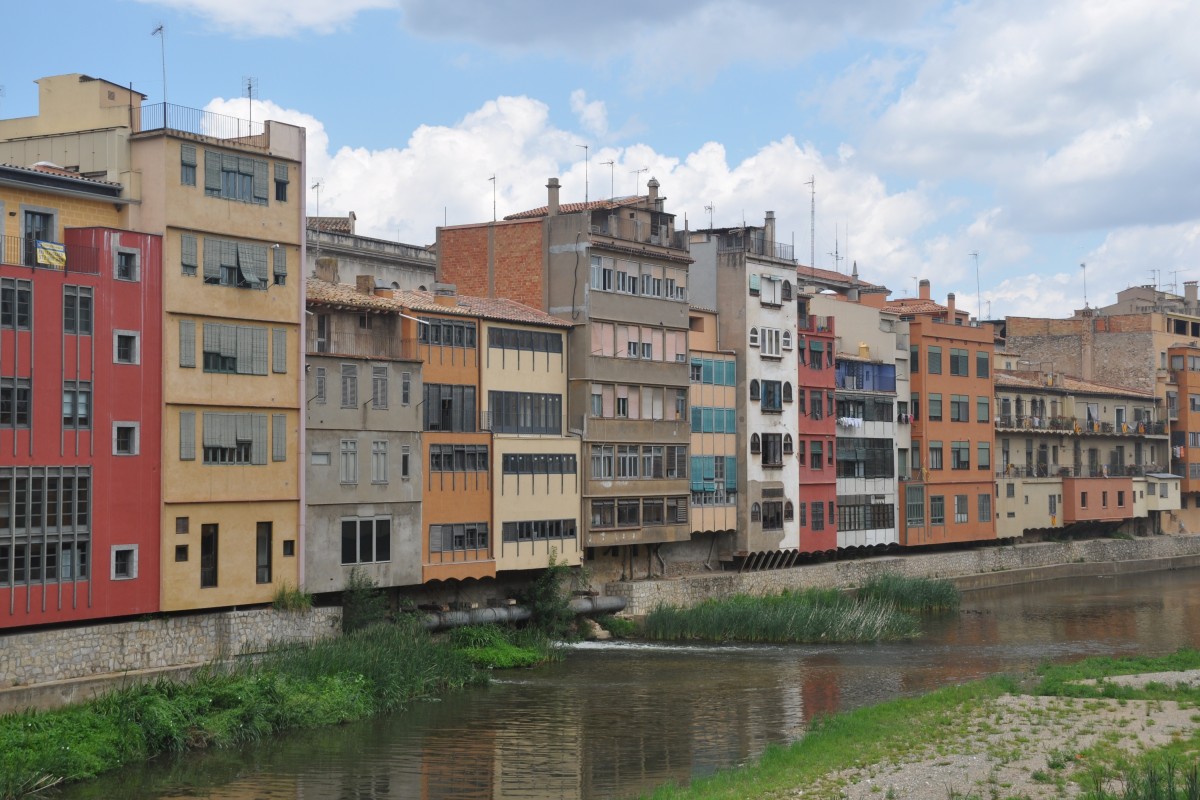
(714,441)
(227,197)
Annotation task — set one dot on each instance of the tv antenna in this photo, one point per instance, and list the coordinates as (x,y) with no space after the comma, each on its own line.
(812,223)
(493,181)
(316,186)
(636,179)
(837,257)
(709,208)
(1174,273)
(250,87)
(612,178)
(161,32)
(978,291)
(1083,266)
(585,174)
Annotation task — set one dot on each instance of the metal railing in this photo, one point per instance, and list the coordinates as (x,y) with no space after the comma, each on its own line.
(757,245)
(1079,471)
(1071,425)
(374,344)
(165,116)
(813,323)
(26,252)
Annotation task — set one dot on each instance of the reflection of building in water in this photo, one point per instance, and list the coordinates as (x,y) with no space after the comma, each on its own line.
(547,745)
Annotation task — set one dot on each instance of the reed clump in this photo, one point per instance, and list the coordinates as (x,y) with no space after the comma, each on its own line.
(915,595)
(812,615)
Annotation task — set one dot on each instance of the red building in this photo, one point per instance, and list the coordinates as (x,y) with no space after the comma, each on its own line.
(80,403)
(816,440)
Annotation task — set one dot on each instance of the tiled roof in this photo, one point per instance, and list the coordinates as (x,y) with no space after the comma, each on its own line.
(331,224)
(832,277)
(337,294)
(1012,379)
(53,169)
(574,208)
(914,305)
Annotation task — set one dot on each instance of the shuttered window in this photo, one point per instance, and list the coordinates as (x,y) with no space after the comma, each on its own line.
(349,386)
(187,343)
(188,258)
(187,435)
(235,348)
(279,437)
(278,350)
(235,438)
(279,264)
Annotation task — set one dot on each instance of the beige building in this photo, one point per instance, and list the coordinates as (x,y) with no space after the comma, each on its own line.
(227,197)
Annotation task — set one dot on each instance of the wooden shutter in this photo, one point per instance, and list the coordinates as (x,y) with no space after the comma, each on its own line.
(212,171)
(187,343)
(187,435)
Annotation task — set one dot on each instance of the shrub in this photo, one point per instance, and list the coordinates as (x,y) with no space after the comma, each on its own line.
(493,647)
(548,601)
(290,598)
(619,627)
(363,603)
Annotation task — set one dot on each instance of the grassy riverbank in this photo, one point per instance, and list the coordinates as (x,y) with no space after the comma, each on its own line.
(885,608)
(375,670)
(999,738)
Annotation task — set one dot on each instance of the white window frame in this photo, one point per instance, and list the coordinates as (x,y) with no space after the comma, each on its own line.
(770,343)
(133,562)
(753,342)
(379,461)
(320,458)
(118,251)
(348,462)
(137,346)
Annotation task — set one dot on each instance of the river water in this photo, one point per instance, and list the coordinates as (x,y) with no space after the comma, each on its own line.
(616,720)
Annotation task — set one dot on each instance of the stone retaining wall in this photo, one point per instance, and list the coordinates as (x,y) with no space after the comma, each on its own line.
(1025,562)
(59,654)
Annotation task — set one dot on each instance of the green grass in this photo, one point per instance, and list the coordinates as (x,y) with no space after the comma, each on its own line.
(289,598)
(812,615)
(916,595)
(1065,680)
(619,627)
(494,647)
(381,668)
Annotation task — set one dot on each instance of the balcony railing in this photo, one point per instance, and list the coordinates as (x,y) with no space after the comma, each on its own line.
(358,344)
(26,252)
(164,116)
(815,324)
(635,230)
(1083,471)
(1070,425)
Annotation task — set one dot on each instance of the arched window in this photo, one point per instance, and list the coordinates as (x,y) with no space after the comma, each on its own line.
(755,444)
(787,391)
(787,340)
(787,290)
(754,337)
(787,444)
(755,512)
(788,511)
(754,390)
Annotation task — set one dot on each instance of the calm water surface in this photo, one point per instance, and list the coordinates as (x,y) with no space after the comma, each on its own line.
(615,720)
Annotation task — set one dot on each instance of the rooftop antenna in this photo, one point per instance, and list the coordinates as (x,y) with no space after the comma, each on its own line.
(709,208)
(250,84)
(812,223)
(612,179)
(493,180)
(585,173)
(989,309)
(978,291)
(837,257)
(161,32)
(636,179)
(1174,272)
(916,286)
(317,188)
(1083,266)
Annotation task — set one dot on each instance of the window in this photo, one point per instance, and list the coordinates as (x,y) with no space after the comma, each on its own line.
(76,404)
(983,409)
(772,449)
(367,541)
(787,340)
(816,410)
(235,177)
(604,513)
(460,536)
(914,506)
(983,365)
(449,407)
(124,562)
(125,438)
(960,408)
(983,451)
(236,349)
(16,304)
(960,455)
(126,268)
(771,291)
(189,258)
(405,456)
(230,439)
(935,455)
(539,463)
(528,412)
(652,461)
(959,362)
(772,515)
(755,443)
(772,396)
(753,337)
(934,360)
(627,461)
(771,346)
(348,471)
(937,509)
(446,332)
(935,406)
(349,386)
(755,512)
(319,380)
(787,392)
(187,165)
(77,310)
(15,402)
(818,517)
(602,461)
(379,461)
(532,341)
(405,388)
(263,547)
(458,458)
(960,508)
(281,183)
(239,264)
(788,445)
(602,273)
(181,552)
(755,284)
(320,459)
(816,455)
(208,556)
(379,387)
(126,347)
(985,507)
(536,530)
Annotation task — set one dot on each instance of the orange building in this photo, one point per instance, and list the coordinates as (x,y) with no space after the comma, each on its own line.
(950,495)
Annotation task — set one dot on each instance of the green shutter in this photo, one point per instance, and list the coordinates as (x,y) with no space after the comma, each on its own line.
(187,154)
(755,282)
(187,253)
(697,474)
(260,182)
(731,473)
(212,172)
(258,438)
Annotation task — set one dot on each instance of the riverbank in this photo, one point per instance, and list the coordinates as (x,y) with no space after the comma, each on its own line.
(1089,729)
(979,568)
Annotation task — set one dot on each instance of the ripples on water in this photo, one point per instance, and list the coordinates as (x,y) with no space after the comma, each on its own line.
(617,719)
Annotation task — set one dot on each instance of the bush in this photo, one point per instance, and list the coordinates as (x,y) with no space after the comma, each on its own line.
(619,627)
(493,647)
(916,595)
(363,603)
(290,598)
(548,601)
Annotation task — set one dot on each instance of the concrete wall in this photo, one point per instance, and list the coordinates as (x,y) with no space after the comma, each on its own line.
(65,654)
(993,566)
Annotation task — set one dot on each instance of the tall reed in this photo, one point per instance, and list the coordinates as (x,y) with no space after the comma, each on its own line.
(918,595)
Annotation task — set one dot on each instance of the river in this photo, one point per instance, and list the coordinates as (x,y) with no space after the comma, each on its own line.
(615,720)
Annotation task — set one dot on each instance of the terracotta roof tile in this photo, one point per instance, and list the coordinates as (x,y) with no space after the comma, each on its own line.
(833,277)
(1014,379)
(915,305)
(331,224)
(491,308)
(54,169)
(574,208)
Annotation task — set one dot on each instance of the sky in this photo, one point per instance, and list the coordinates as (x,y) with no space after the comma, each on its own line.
(992,146)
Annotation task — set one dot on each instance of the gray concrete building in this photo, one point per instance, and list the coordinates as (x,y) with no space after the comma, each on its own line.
(336,253)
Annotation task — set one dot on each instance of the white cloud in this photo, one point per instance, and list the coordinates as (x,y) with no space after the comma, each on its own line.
(276,17)
(592,116)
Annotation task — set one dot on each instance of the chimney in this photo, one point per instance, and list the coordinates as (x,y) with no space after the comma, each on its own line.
(365,284)
(769,227)
(552,199)
(652,189)
(852,296)
(1189,292)
(923,289)
(351,218)
(950,307)
(446,294)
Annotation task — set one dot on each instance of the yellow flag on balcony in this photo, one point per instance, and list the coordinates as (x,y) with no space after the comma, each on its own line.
(52,254)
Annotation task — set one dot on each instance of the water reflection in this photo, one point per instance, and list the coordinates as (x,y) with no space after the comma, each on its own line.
(617,720)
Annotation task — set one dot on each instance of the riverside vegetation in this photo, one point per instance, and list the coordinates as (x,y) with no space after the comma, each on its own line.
(378,665)
(1070,730)
(884,608)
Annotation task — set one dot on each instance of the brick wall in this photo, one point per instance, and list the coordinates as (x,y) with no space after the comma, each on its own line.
(515,271)
(463,259)
(519,263)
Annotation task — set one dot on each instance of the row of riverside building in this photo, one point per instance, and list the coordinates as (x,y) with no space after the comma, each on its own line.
(207,397)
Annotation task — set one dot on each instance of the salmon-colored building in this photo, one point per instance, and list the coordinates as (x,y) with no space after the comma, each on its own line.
(80,402)
(816,438)
(950,497)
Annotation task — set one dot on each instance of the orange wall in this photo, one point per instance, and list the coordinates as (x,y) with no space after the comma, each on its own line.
(1102,497)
